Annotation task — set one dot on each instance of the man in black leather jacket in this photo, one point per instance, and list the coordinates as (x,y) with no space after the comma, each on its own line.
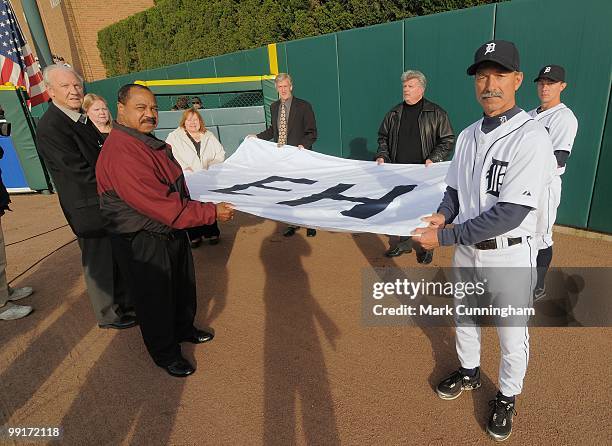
(416,131)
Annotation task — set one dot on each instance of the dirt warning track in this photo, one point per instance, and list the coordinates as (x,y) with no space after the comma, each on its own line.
(291,362)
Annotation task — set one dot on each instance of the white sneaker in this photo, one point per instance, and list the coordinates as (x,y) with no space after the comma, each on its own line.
(20,293)
(11,311)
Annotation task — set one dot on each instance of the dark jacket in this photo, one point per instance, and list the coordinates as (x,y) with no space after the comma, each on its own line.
(301,123)
(437,137)
(4,196)
(70,151)
(142,187)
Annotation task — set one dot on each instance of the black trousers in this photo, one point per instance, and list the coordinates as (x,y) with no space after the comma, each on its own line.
(206,231)
(105,286)
(161,278)
(405,243)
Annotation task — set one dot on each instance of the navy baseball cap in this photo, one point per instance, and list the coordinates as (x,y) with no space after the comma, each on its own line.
(501,52)
(555,73)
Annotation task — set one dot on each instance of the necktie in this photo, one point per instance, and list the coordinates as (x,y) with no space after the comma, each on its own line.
(282,126)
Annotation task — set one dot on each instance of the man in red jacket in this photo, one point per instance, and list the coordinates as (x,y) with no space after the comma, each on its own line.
(143,194)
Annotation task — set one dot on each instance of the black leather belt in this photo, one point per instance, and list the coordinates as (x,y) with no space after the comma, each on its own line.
(492,243)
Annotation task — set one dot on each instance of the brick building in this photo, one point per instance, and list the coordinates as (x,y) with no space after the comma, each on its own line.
(72,28)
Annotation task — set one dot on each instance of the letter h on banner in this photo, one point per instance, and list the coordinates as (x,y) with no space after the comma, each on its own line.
(233,190)
(368,207)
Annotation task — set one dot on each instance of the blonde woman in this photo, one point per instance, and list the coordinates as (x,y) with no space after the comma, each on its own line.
(97,110)
(196,148)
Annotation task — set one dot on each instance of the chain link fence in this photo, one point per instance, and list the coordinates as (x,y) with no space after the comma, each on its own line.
(212,100)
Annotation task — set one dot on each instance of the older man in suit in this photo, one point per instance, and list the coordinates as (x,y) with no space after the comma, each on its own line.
(293,123)
(69,144)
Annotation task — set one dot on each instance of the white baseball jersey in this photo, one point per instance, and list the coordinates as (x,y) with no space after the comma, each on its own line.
(511,164)
(561,125)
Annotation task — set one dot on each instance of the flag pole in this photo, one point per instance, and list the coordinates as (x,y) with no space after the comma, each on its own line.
(34,22)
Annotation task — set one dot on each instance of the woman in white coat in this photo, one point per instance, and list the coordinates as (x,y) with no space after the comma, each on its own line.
(196,148)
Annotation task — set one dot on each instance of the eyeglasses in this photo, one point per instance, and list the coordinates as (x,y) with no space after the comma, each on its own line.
(196,103)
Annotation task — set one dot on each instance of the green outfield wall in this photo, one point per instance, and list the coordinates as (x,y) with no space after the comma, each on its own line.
(352,78)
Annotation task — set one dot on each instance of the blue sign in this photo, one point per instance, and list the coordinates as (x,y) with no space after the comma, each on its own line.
(12,173)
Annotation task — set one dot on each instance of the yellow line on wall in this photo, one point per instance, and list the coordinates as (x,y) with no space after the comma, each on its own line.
(9,86)
(273,58)
(203,80)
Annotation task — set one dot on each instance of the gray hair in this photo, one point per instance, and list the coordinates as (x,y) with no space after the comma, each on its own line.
(59,66)
(283,77)
(413,74)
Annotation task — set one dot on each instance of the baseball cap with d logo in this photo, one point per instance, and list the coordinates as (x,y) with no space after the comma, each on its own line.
(501,52)
(555,73)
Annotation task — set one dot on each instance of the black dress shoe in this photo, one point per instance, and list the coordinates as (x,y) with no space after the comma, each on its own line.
(289,231)
(125,321)
(199,337)
(195,242)
(311,232)
(424,257)
(213,241)
(127,311)
(179,368)
(397,251)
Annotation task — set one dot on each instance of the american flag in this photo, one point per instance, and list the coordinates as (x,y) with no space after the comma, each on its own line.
(16,58)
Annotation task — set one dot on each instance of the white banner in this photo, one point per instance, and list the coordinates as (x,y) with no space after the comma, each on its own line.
(313,190)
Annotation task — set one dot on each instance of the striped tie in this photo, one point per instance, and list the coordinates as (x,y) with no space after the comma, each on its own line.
(282,126)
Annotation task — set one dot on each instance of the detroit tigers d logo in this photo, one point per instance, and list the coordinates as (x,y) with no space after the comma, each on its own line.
(495,176)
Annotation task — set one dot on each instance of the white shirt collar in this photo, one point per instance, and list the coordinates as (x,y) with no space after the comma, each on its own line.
(74,115)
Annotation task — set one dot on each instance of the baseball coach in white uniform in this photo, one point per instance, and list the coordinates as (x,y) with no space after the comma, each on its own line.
(561,125)
(500,168)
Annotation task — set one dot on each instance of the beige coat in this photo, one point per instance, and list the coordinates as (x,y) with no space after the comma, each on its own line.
(211,151)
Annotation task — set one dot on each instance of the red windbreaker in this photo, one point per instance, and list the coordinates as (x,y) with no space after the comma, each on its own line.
(142,187)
